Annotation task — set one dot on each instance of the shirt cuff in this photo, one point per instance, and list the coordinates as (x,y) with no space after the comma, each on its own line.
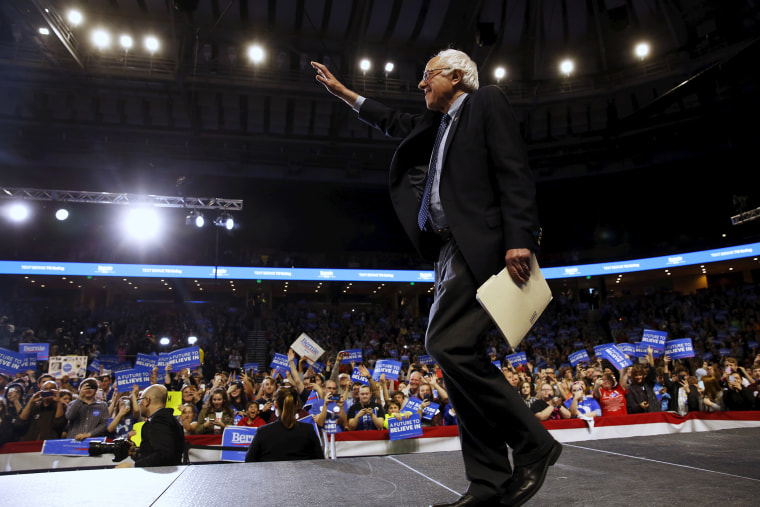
(358,103)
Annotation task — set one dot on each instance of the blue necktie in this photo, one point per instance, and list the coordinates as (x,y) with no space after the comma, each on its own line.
(424,213)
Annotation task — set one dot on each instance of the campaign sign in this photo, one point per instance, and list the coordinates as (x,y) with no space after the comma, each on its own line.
(73,366)
(304,346)
(108,361)
(351,356)
(497,363)
(356,376)
(679,349)
(517,359)
(405,428)
(751,345)
(425,359)
(239,437)
(145,361)
(29,363)
(280,361)
(69,446)
(724,352)
(126,365)
(95,366)
(656,339)
(125,379)
(391,368)
(317,367)
(707,356)
(413,404)
(627,348)
(578,357)
(10,362)
(251,368)
(430,411)
(616,357)
(189,357)
(42,350)
(599,348)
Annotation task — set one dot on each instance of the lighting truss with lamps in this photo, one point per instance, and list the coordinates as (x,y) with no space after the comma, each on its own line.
(745,217)
(161,201)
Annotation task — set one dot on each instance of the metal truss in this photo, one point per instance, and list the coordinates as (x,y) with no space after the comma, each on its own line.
(745,217)
(161,201)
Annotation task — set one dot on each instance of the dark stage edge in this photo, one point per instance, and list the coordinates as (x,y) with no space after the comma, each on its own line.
(708,468)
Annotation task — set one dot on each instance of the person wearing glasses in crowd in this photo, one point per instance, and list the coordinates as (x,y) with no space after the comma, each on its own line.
(86,416)
(44,416)
(162,439)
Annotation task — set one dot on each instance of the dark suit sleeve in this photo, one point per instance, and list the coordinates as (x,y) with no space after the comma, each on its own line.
(254,450)
(392,123)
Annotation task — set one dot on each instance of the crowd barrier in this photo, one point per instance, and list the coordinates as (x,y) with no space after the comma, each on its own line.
(18,457)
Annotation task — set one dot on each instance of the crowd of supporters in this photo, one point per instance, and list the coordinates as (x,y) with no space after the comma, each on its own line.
(722,323)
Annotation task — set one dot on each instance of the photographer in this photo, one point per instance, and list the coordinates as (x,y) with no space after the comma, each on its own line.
(44,417)
(162,438)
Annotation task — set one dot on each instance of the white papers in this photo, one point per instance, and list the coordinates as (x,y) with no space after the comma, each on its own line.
(305,346)
(515,308)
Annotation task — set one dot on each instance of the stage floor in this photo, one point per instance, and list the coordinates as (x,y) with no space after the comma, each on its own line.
(716,467)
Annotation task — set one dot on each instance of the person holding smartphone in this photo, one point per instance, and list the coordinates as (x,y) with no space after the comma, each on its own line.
(44,417)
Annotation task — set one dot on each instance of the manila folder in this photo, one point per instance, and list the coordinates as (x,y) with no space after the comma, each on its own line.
(515,308)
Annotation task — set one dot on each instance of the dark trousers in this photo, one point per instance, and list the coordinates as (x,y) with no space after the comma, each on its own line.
(490,413)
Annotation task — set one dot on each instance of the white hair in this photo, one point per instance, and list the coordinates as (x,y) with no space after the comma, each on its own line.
(459,60)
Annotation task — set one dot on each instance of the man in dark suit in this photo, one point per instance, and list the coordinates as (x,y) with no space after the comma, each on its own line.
(162,440)
(461,186)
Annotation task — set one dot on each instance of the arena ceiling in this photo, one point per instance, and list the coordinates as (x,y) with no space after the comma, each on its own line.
(627,151)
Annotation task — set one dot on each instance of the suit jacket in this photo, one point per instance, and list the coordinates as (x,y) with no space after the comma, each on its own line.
(162,441)
(486,187)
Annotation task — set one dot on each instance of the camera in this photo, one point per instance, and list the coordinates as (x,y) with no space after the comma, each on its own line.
(119,448)
(47,394)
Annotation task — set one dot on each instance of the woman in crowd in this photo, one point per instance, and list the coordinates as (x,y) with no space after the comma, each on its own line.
(526,391)
(713,394)
(581,402)
(285,439)
(125,412)
(238,400)
(216,414)
(187,418)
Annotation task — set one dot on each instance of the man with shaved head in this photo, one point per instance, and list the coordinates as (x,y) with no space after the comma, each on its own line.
(162,438)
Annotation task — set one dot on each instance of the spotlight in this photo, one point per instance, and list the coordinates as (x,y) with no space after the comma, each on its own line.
(74,17)
(62,214)
(389,67)
(164,341)
(143,223)
(101,38)
(567,67)
(126,42)
(225,220)
(499,73)
(256,53)
(195,218)
(365,65)
(151,44)
(642,50)
(18,212)
(44,31)
(191,340)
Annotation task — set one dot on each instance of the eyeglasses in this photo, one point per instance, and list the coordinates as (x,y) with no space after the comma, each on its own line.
(426,75)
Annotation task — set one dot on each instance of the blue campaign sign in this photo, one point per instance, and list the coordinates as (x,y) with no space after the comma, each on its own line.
(580,356)
(752,344)
(145,361)
(389,367)
(125,379)
(189,357)
(318,367)
(426,359)
(94,366)
(627,348)
(163,360)
(10,362)
(616,357)
(42,350)
(126,365)
(69,446)
(598,348)
(351,356)
(108,361)
(679,349)
(356,376)
(430,411)
(724,352)
(240,437)
(517,359)
(406,428)
(655,339)
(30,362)
(280,362)
(251,368)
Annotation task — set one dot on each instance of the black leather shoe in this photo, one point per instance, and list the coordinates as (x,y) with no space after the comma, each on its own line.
(527,480)
(470,501)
